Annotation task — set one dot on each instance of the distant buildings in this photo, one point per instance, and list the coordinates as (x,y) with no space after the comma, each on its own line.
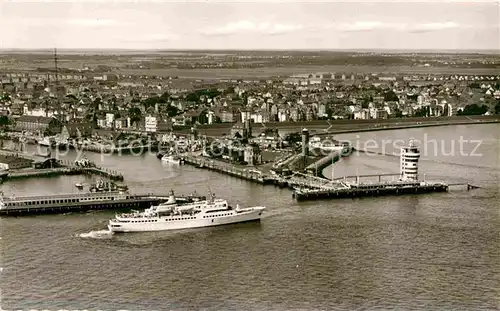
(127,103)
(35,124)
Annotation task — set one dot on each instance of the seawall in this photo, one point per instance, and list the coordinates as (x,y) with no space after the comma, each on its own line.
(349,125)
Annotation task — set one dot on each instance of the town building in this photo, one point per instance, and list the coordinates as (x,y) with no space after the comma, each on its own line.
(42,125)
(150,124)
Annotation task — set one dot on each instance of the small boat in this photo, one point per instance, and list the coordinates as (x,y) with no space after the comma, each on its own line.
(102,186)
(84,162)
(46,142)
(79,185)
(171,159)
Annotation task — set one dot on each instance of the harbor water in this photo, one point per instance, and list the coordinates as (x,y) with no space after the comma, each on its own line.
(415,252)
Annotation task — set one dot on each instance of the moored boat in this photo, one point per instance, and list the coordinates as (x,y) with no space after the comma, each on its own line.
(173,215)
(84,162)
(83,201)
(102,186)
(46,142)
(171,159)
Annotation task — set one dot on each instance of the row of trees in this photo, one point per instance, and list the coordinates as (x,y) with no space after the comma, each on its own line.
(196,95)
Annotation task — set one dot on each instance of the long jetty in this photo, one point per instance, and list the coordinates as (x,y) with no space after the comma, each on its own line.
(375,189)
(228,170)
(309,187)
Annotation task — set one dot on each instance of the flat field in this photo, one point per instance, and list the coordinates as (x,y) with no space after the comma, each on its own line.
(255,64)
(287,71)
(262,72)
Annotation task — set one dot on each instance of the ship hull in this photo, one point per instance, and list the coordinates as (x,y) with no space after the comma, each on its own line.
(199,222)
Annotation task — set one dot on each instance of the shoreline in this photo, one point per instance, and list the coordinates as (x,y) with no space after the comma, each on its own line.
(346,125)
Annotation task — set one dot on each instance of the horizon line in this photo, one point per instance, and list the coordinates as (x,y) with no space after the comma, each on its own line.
(253,50)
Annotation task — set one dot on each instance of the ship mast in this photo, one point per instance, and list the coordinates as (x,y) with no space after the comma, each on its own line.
(55,65)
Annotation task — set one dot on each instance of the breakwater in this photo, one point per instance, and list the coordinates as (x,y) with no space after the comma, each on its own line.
(351,126)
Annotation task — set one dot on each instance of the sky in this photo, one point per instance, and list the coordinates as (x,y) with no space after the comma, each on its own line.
(264,24)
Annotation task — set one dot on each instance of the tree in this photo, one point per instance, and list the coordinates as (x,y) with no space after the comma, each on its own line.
(474,85)
(151,102)
(497,108)
(203,117)
(398,113)
(96,103)
(165,97)
(192,97)
(196,95)
(135,114)
(4,121)
(172,111)
(422,112)
(473,110)
(390,96)
(294,137)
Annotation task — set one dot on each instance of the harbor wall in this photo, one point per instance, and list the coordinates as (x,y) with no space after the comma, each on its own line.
(352,126)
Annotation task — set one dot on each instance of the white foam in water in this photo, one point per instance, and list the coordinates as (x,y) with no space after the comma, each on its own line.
(97,234)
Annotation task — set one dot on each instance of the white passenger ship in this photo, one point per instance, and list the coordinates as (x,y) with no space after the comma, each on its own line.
(172,215)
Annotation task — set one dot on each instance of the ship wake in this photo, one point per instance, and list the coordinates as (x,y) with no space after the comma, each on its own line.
(97,234)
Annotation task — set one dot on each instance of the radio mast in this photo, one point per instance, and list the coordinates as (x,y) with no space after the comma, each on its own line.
(55,65)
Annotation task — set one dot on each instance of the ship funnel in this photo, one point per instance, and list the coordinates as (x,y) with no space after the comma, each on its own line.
(171,198)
